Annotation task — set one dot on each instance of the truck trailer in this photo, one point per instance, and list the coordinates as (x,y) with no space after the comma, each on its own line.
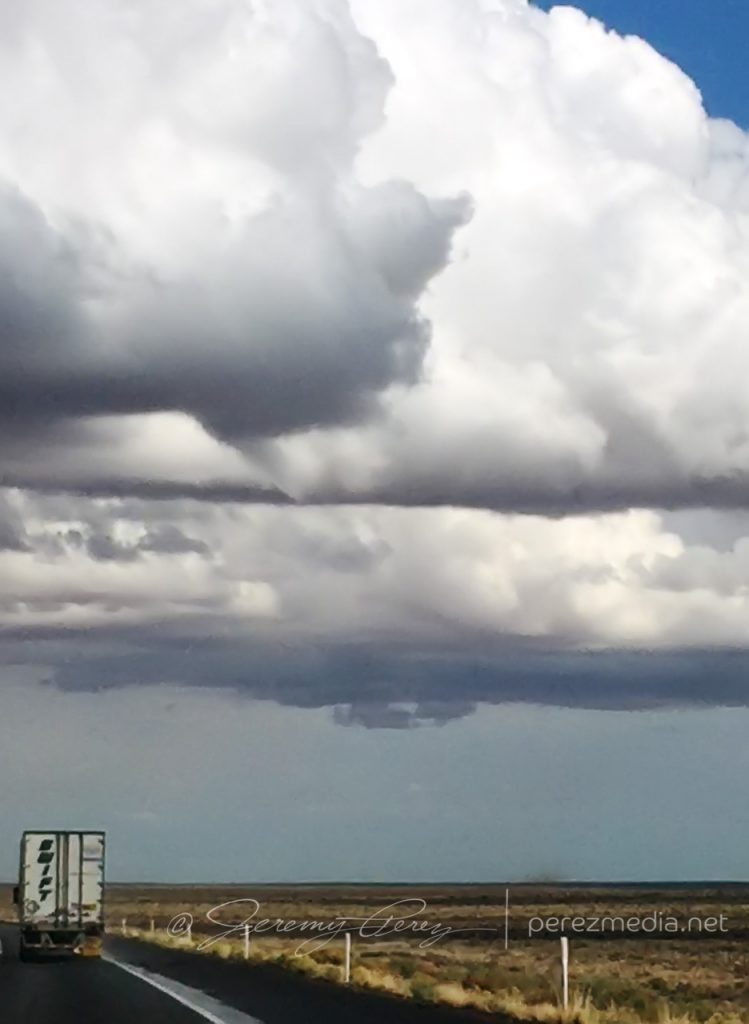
(60,895)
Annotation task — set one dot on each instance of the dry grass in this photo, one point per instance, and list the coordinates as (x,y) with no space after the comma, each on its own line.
(615,981)
(519,983)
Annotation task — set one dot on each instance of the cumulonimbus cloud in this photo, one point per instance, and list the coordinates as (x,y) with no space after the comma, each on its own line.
(226,262)
(246,220)
(431,255)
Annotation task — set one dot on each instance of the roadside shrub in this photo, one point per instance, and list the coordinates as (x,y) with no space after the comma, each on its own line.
(369,978)
(330,972)
(405,966)
(453,973)
(422,987)
(454,994)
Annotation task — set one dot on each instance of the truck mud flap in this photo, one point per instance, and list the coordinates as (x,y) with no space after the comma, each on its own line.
(90,947)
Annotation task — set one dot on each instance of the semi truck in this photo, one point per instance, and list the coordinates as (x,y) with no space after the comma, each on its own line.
(60,894)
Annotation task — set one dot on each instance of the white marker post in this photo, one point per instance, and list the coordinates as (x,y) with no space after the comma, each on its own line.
(153,926)
(347,960)
(247,942)
(565,971)
(124,926)
(507,918)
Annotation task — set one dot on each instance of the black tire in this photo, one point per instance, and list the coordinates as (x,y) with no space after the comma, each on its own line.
(26,956)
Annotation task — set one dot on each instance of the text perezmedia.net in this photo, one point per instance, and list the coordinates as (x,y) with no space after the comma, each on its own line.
(649,924)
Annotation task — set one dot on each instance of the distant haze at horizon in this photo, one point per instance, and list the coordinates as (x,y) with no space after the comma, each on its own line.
(514,792)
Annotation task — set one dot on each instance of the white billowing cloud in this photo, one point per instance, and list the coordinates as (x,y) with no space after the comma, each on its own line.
(74,591)
(407,252)
(158,451)
(727,178)
(371,575)
(590,334)
(418,267)
(193,238)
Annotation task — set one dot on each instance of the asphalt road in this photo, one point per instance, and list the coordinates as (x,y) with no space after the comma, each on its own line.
(95,991)
(138,983)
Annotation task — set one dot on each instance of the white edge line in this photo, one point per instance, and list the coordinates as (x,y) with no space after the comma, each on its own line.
(151,980)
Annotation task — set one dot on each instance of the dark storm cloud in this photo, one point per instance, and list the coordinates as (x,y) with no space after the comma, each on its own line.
(104,548)
(307,317)
(12,531)
(394,716)
(101,546)
(396,687)
(169,539)
(149,490)
(374,716)
(166,539)
(40,286)
(537,496)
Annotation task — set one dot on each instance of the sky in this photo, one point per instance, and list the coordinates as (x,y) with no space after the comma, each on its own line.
(375,439)
(706,40)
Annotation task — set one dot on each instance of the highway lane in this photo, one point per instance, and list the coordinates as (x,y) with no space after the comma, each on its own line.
(120,990)
(79,991)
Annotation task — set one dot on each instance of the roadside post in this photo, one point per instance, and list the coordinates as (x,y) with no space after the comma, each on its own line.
(247,942)
(347,959)
(565,971)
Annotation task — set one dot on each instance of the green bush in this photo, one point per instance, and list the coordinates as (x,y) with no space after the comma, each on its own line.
(405,966)
(454,972)
(422,987)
